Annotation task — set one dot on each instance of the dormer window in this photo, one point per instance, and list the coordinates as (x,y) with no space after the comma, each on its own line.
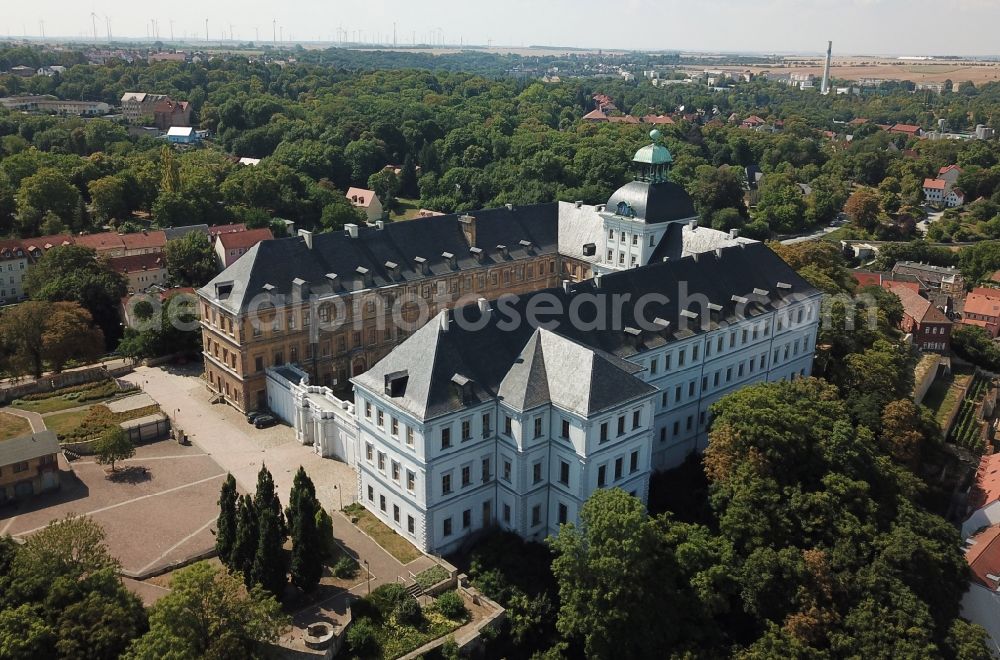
(625,210)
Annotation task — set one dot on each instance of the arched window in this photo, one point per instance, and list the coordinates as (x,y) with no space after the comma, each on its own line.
(625,209)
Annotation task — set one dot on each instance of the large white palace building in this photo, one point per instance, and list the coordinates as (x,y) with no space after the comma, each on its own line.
(512,412)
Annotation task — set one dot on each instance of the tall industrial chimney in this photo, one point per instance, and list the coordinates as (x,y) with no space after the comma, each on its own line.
(825,87)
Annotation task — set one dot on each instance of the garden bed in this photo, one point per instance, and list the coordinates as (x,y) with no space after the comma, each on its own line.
(391,542)
(389,623)
(12,426)
(69,397)
(81,425)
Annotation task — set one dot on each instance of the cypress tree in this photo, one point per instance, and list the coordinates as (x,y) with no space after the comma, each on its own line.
(301,485)
(270,563)
(307,553)
(267,498)
(225,537)
(245,545)
(408,178)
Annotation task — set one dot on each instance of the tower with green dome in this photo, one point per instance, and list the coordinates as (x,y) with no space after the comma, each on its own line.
(652,162)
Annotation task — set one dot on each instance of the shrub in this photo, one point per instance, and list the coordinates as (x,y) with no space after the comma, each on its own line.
(362,638)
(428,578)
(451,605)
(408,613)
(387,598)
(324,528)
(345,568)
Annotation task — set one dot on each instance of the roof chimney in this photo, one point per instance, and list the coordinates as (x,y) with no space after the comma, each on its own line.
(468,224)
(352,229)
(578,203)
(566,286)
(444,321)
(484,306)
(693,224)
(509,207)
(597,280)
(734,234)
(380,225)
(449,259)
(307,236)
(422,265)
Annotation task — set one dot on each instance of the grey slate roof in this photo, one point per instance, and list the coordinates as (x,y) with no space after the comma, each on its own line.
(654,202)
(173,233)
(28,447)
(581,368)
(278,262)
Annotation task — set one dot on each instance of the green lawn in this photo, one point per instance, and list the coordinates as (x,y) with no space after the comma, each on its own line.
(942,398)
(63,423)
(408,209)
(12,426)
(52,404)
(390,541)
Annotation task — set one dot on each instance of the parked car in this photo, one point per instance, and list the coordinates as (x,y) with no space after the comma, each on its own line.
(264,420)
(254,414)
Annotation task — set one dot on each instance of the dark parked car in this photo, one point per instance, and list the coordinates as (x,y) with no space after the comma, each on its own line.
(264,420)
(254,414)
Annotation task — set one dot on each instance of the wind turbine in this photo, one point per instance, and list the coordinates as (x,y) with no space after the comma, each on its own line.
(171,29)
(93,24)
(107,23)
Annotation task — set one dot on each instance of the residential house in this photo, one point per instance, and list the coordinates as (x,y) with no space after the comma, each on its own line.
(947,280)
(981,603)
(144,242)
(983,503)
(168,113)
(106,244)
(230,246)
(14,262)
(141,270)
(182,135)
(215,230)
(982,309)
(753,121)
(905,129)
(367,201)
(29,465)
(48,104)
(929,328)
(137,106)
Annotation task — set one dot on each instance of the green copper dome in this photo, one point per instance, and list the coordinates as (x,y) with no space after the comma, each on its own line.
(655,153)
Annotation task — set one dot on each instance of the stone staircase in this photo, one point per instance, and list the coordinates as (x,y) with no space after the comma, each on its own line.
(415,590)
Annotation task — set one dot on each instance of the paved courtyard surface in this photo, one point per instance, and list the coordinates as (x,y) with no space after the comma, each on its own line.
(152,518)
(224,434)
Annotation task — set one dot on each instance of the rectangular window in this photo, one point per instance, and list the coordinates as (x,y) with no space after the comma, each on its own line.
(368,409)
(506,424)
(565,430)
(564,473)
(371,494)
(466,430)
(694,353)
(447,527)
(604,432)
(409,524)
(506,513)
(395,512)
(446,484)
(618,469)
(633,464)
(602,474)
(536,515)
(445,438)
(666,362)
(487,431)
(486,470)
(381,462)
(680,358)
(652,366)
(636,417)
(381,502)
(562,514)
(395,471)
(538,427)
(368,451)
(536,472)
(409,436)
(506,471)
(394,427)
(411,480)
(466,476)
(379,418)
(621,425)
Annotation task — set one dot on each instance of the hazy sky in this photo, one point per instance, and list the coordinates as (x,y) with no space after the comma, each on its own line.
(856,26)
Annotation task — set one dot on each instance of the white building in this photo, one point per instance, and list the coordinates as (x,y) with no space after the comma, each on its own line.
(478,420)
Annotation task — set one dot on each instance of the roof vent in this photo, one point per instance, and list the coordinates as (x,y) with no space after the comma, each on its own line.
(268,287)
(734,234)
(449,258)
(510,207)
(566,284)
(366,276)
(634,335)
(597,280)
(300,289)
(761,292)
(693,224)
(334,280)
(504,252)
(589,249)
(444,321)
(740,300)
(352,229)
(526,245)
(421,265)
(484,306)
(462,387)
(395,383)
(477,253)
(784,285)
(718,253)
(578,203)
(688,314)
(714,307)
(393,269)
(380,225)
(600,207)
(662,324)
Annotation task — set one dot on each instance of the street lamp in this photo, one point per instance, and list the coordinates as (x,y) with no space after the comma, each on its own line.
(369,569)
(340,493)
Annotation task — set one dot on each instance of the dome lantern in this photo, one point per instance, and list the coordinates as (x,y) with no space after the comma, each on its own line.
(653,161)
